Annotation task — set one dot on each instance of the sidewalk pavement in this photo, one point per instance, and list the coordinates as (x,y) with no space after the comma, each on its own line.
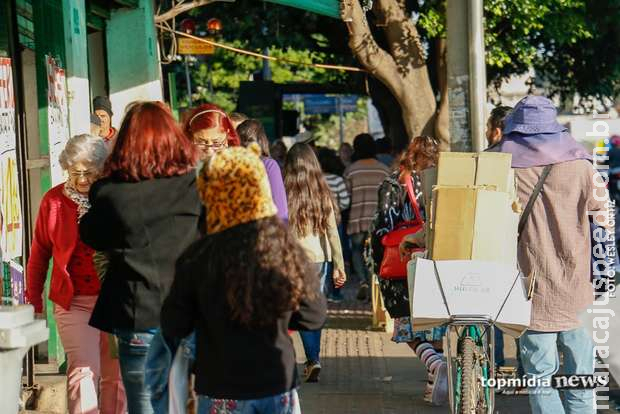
(364,372)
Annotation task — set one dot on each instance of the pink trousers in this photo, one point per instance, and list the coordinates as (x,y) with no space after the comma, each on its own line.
(94,383)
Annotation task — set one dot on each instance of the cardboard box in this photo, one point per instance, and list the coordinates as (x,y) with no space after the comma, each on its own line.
(473,223)
(471,287)
(491,169)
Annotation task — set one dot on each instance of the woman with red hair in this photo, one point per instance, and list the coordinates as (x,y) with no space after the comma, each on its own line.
(143,216)
(211,129)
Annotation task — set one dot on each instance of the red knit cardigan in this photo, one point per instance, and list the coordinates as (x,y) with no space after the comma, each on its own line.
(55,236)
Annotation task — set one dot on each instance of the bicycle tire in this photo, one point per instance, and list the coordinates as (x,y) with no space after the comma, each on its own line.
(469,386)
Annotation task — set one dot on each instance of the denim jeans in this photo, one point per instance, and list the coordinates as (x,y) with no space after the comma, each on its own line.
(357,259)
(312,339)
(132,351)
(169,367)
(287,403)
(540,353)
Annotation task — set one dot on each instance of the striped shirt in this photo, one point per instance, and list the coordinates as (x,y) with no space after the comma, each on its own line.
(363,179)
(339,190)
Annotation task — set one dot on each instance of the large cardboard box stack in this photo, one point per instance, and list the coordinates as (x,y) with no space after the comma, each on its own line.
(472,241)
(473,213)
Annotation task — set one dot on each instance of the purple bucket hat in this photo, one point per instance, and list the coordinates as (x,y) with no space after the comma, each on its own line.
(533,115)
(535,138)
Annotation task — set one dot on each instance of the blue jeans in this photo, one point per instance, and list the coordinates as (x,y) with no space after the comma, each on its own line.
(287,403)
(132,351)
(540,353)
(357,258)
(312,339)
(169,366)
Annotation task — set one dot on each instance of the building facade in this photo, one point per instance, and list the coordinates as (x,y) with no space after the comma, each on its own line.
(55,56)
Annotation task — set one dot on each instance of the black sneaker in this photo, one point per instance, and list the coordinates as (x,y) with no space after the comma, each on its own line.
(362,293)
(312,371)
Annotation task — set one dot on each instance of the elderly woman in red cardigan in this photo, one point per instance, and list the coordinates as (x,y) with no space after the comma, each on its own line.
(94,379)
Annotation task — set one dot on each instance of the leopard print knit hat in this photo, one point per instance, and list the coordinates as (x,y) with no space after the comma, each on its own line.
(234,187)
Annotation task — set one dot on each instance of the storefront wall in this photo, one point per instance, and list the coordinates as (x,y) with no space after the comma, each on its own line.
(54,92)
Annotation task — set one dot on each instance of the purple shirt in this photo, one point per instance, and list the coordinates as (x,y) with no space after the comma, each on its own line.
(278,194)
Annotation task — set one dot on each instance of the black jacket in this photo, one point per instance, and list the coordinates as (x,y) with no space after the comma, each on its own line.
(143,227)
(232,361)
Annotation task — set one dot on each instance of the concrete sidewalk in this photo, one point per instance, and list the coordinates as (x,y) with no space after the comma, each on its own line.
(364,372)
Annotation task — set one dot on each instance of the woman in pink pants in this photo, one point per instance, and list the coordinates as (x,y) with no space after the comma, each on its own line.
(93,376)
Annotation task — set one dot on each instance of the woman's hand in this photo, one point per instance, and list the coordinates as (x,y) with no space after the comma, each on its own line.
(340,277)
(410,242)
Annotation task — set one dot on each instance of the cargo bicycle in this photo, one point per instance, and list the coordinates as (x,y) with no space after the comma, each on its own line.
(470,335)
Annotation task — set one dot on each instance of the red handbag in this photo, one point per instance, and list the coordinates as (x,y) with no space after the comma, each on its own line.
(392,267)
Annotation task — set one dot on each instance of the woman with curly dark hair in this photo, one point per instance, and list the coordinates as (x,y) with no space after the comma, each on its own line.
(395,208)
(241,303)
(312,213)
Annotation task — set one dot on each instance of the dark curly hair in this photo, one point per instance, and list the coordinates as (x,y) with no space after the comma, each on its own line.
(264,274)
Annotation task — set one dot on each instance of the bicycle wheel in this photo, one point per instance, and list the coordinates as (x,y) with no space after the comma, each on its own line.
(472,392)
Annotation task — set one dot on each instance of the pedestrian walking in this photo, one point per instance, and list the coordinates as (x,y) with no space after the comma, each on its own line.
(210,128)
(250,131)
(93,377)
(278,151)
(143,215)
(495,124)
(554,249)
(313,223)
(103,109)
(237,119)
(363,179)
(241,302)
(384,152)
(345,152)
(394,208)
(332,172)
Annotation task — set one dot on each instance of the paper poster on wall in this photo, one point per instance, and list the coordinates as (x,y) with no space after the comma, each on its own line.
(17,283)
(57,117)
(10,200)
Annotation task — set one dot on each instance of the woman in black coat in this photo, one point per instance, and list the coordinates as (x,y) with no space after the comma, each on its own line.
(142,216)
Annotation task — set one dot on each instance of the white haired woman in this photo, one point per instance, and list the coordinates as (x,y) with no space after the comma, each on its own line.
(94,379)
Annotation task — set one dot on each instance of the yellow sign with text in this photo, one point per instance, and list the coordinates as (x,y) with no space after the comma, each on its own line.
(188,46)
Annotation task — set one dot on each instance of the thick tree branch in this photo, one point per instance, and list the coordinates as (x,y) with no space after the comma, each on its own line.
(183,7)
(364,47)
(401,33)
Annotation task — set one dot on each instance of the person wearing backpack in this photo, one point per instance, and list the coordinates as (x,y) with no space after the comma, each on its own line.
(400,202)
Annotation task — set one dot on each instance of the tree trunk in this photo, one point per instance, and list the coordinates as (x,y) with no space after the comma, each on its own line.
(403,70)
(390,114)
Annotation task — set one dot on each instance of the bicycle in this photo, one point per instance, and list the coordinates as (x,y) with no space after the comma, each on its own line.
(468,384)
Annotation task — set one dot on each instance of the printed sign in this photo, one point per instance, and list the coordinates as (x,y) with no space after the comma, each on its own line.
(11,228)
(57,117)
(189,46)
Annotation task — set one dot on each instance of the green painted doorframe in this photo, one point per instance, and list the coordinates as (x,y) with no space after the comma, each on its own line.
(329,8)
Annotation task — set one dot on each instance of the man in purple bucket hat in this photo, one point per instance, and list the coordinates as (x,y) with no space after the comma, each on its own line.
(554,248)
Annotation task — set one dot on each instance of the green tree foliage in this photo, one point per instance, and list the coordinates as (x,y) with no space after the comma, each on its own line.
(571,44)
(286,33)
